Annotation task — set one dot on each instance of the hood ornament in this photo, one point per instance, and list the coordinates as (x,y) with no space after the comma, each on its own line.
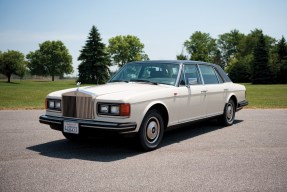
(78,84)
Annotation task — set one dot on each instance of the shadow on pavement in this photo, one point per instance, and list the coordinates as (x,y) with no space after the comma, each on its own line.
(114,148)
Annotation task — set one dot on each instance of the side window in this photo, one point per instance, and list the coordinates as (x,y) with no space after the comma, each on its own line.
(190,75)
(208,74)
(218,76)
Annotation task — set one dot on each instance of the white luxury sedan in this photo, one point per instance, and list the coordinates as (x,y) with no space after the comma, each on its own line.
(144,99)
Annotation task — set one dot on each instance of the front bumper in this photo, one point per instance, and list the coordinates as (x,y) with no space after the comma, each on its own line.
(88,124)
(241,104)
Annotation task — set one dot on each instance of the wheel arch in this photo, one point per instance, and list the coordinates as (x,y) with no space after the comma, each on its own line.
(233,98)
(160,107)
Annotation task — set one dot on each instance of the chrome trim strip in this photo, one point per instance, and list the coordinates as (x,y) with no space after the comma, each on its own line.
(49,121)
(128,126)
(54,111)
(108,128)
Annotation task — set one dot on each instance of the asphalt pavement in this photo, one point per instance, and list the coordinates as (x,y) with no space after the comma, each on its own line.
(251,155)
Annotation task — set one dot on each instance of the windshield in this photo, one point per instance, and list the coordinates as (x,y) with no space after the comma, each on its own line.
(155,73)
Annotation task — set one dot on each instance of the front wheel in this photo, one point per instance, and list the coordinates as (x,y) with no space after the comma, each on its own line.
(151,130)
(229,114)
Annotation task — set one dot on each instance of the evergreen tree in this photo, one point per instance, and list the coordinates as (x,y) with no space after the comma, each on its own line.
(95,61)
(282,61)
(217,59)
(282,49)
(181,57)
(261,73)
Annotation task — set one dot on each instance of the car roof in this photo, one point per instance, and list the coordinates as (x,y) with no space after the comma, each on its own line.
(167,61)
(175,62)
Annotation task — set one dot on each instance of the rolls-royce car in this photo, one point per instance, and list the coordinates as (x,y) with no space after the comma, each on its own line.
(144,99)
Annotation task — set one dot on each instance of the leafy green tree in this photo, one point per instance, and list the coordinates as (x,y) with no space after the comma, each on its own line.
(95,60)
(239,70)
(124,49)
(218,59)
(201,47)
(12,62)
(240,48)
(52,58)
(247,43)
(261,73)
(228,43)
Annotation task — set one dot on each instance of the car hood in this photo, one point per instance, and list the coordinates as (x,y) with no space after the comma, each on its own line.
(120,91)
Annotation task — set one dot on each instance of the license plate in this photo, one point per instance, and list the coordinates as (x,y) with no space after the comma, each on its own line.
(71,127)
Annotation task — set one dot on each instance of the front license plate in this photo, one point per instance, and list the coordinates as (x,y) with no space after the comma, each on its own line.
(71,127)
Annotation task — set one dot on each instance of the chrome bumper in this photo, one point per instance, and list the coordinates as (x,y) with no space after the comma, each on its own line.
(117,127)
(241,104)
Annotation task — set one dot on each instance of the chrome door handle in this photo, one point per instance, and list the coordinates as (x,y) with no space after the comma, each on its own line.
(204,93)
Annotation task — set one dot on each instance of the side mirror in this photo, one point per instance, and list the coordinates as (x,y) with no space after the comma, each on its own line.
(192,81)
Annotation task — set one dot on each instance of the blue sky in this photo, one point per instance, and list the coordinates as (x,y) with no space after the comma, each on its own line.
(162,25)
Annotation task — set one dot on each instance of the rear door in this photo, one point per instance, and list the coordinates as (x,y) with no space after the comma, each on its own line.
(215,90)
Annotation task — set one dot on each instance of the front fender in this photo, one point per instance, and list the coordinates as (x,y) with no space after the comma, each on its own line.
(153,103)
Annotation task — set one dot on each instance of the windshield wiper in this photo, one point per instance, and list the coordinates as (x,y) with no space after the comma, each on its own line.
(144,81)
(119,81)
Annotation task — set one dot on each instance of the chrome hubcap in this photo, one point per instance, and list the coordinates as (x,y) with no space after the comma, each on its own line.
(152,130)
(229,112)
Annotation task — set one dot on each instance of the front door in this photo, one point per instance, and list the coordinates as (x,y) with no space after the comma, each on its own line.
(190,100)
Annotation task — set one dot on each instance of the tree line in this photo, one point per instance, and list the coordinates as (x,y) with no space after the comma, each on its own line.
(255,57)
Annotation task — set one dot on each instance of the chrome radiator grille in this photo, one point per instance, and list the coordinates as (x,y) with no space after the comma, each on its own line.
(77,104)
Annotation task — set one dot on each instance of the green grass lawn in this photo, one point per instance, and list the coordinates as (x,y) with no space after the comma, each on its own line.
(267,96)
(28,94)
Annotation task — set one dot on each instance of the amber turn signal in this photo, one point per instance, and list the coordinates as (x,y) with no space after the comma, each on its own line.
(125,109)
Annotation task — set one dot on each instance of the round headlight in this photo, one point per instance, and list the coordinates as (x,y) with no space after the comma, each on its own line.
(57,104)
(104,108)
(52,104)
(115,109)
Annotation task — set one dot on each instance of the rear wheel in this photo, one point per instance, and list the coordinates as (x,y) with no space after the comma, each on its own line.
(229,114)
(151,130)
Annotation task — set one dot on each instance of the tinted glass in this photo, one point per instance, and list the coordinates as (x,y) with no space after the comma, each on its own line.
(190,75)
(208,74)
(161,73)
(218,76)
